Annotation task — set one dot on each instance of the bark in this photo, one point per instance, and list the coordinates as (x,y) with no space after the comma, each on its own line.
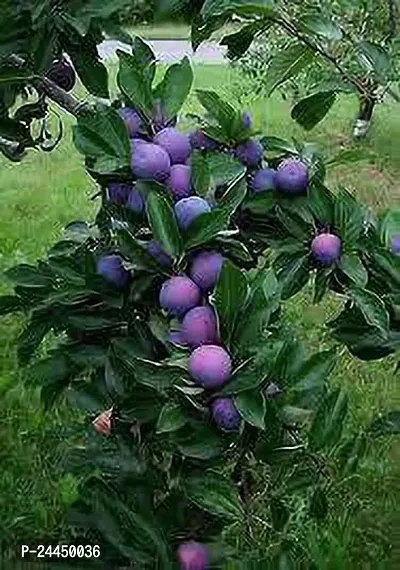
(364,118)
(47,87)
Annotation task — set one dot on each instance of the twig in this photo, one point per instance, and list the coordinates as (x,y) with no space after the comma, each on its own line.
(45,86)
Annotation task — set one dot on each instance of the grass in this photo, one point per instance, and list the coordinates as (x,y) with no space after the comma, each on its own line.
(174,31)
(44,192)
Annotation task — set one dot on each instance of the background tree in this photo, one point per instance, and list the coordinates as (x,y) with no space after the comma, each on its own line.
(320,48)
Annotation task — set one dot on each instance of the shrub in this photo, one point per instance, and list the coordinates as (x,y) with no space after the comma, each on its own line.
(182,438)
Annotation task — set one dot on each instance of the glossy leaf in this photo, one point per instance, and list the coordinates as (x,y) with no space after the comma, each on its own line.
(171,418)
(175,87)
(164,225)
(252,407)
(201,178)
(286,64)
(372,307)
(215,494)
(312,109)
(230,293)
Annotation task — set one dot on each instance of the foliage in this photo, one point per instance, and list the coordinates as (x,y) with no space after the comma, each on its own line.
(156,471)
(317,48)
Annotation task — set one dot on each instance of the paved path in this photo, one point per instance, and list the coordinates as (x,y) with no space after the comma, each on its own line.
(169,51)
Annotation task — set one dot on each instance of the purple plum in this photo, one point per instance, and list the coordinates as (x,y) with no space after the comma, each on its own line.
(132,120)
(178,295)
(155,250)
(210,366)
(395,244)
(135,202)
(149,161)
(198,140)
(176,144)
(118,193)
(326,248)
(205,269)
(62,74)
(193,556)
(188,209)
(247,121)
(179,181)
(111,269)
(225,414)
(263,180)
(199,327)
(292,177)
(250,153)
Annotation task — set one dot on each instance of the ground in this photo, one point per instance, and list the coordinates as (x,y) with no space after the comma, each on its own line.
(42,194)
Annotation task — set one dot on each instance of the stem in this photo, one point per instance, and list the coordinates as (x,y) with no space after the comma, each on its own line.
(47,87)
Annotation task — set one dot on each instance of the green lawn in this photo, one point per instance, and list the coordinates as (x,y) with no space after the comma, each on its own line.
(40,195)
(174,31)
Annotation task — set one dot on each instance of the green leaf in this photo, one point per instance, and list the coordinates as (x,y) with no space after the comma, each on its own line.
(201,178)
(234,195)
(260,203)
(311,378)
(100,134)
(206,228)
(85,58)
(221,110)
(163,224)
(199,441)
(279,514)
(349,156)
(389,225)
(263,300)
(212,8)
(388,424)
(321,283)
(373,57)
(175,87)
(252,407)
(215,494)
(10,304)
(293,272)
(327,427)
(134,83)
(288,63)
(28,276)
(152,374)
(135,252)
(224,168)
(372,307)
(230,294)
(312,109)
(348,219)
(31,338)
(320,202)
(353,267)
(321,25)
(319,504)
(171,418)
(278,144)
(239,42)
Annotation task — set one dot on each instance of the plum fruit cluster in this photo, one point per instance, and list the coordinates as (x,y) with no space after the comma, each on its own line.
(164,156)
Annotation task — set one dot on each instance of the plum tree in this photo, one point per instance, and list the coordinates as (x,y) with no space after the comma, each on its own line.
(168,332)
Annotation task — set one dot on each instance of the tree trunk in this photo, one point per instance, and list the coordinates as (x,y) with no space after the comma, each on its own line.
(364,118)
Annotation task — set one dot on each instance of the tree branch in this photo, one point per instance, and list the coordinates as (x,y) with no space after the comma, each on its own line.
(294,32)
(47,87)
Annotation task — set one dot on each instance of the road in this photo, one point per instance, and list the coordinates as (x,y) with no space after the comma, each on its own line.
(169,51)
